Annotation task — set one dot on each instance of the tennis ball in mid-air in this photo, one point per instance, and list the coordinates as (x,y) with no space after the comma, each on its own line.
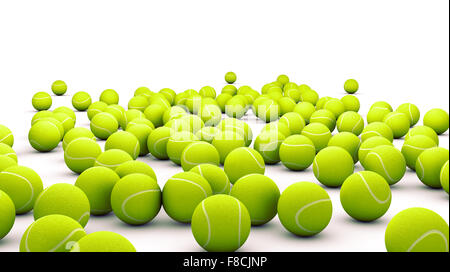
(324,117)
(351,86)
(413,147)
(377,114)
(6,135)
(51,233)
(387,161)
(44,136)
(429,165)
(112,158)
(81,101)
(135,167)
(59,87)
(226,141)
(318,133)
(332,165)
(125,141)
(370,144)
(230,77)
(398,122)
(305,109)
(350,121)
(268,145)
(347,141)
(423,130)
(41,101)
(103,241)
(216,176)
(365,196)
(177,143)
(444,177)
(157,142)
(243,161)
(95,108)
(335,106)
(65,199)
(411,111)
(155,114)
(294,121)
(6,150)
(81,153)
(351,103)
(7,214)
(199,152)
(109,96)
(141,132)
(103,125)
(377,129)
(417,230)
(437,119)
(297,152)
(6,162)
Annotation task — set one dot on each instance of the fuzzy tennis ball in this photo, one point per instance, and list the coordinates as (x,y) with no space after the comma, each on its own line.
(429,165)
(387,161)
(310,96)
(283,79)
(216,177)
(51,233)
(7,214)
(125,141)
(139,102)
(332,165)
(182,193)
(118,112)
(413,147)
(444,177)
(305,109)
(135,167)
(260,196)
(97,183)
(294,121)
(169,94)
(193,103)
(377,114)
(81,153)
(8,151)
(304,208)
(95,108)
(210,114)
(174,112)
(229,89)
(268,110)
(321,102)
(103,241)
(6,135)
(293,93)
(417,230)
(277,126)
(155,113)
(236,107)
(381,104)
(177,143)
(377,129)
(347,141)
(55,122)
(41,101)
(67,111)
(109,96)
(226,141)
(437,119)
(141,132)
(6,162)
(222,100)
(286,105)
(140,121)
(351,86)
(65,120)
(103,125)
(44,136)
(350,121)
(23,185)
(365,196)
(129,116)
(268,145)
(81,101)
(143,91)
(65,199)
(237,126)
(59,87)
(335,105)
(198,153)
(398,122)
(297,152)
(411,111)
(75,133)
(243,161)
(136,199)
(191,123)
(112,158)
(207,91)
(423,130)
(370,144)
(324,117)
(41,115)
(318,133)
(351,103)
(230,77)
(157,142)
(207,134)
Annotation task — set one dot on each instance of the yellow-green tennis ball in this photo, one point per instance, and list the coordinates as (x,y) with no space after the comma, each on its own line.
(283,79)
(182,193)
(7,214)
(321,102)
(221,223)
(41,101)
(169,94)
(59,87)
(65,120)
(135,167)
(81,153)
(305,109)
(67,111)
(222,100)
(136,199)
(286,105)
(65,199)
(294,121)
(174,112)
(118,112)
(103,125)
(23,185)
(112,158)
(180,99)
(429,165)
(6,135)
(144,91)
(103,241)
(141,132)
(8,151)
(109,96)
(6,162)
(411,111)
(191,123)
(293,93)
(370,144)
(211,114)
(365,196)
(81,101)
(377,129)
(129,116)
(310,96)
(304,208)
(268,145)
(193,103)
(177,143)
(398,122)
(335,106)
(207,134)
(444,177)
(226,141)
(325,117)
(229,89)
(437,119)
(350,121)
(297,152)
(347,141)
(277,126)
(289,85)
(216,177)
(55,122)
(351,86)
(260,196)
(155,113)
(318,133)
(237,126)
(243,161)
(381,104)
(44,136)
(95,108)
(268,110)
(51,233)
(423,130)
(41,115)
(377,114)
(157,142)
(417,230)
(236,107)
(75,133)
(387,161)
(198,153)
(140,121)
(230,77)
(413,147)
(207,91)
(125,141)
(351,103)
(139,102)
(332,165)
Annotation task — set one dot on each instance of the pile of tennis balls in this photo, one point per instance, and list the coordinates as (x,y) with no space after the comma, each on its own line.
(200,131)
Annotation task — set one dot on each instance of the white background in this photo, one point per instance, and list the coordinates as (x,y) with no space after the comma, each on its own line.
(397,50)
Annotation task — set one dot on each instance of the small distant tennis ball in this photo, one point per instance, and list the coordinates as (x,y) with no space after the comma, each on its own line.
(155,113)
(81,153)
(96,108)
(103,125)
(103,241)
(177,142)
(310,96)
(417,230)
(6,135)
(230,77)
(51,233)
(297,152)
(136,199)
(277,126)
(157,142)
(335,106)
(370,144)
(318,133)
(424,131)
(411,111)
(112,158)
(351,103)
(41,101)
(381,104)
(325,117)
(398,122)
(129,116)
(198,153)
(227,141)
(377,129)
(135,167)
(182,193)
(81,101)
(65,199)
(387,161)
(268,110)
(267,86)
(59,87)
(332,165)
(109,96)
(413,147)
(365,196)
(429,165)
(144,91)
(207,91)
(7,214)
(293,93)
(237,126)
(351,86)
(294,121)
(22,185)
(286,105)
(141,132)
(125,141)
(444,177)
(210,114)
(305,109)
(8,151)
(65,120)
(347,141)
(139,102)
(75,133)
(304,208)
(216,177)
(6,162)
(350,121)
(243,161)
(377,114)
(169,94)
(44,136)
(321,102)
(207,134)
(268,145)
(437,119)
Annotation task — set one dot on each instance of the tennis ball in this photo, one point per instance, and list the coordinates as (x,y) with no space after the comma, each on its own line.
(216,177)
(75,133)
(423,130)
(347,141)
(155,113)
(95,108)
(324,117)
(377,129)
(335,106)
(7,214)
(174,112)
(413,147)
(6,136)
(169,94)
(109,96)
(141,132)
(226,141)
(398,122)
(140,121)
(65,120)
(139,102)
(230,77)
(198,153)
(182,193)
(41,115)
(283,79)
(305,109)
(125,141)
(191,123)
(411,111)
(268,145)
(41,101)
(143,91)
(22,185)
(177,142)
(243,161)
(277,127)
(207,134)
(207,91)
(136,199)
(321,102)
(129,116)
(444,177)
(350,121)
(437,119)
(286,105)
(297,152)
(370,144)
(81,101)
(180,98)
(293,93)
(351,86)
(8,151)
(6,162)
(81,153)
(268,110)
(64,199)
(157,142)
(237,126)
(387,161)
(44,136)
(229,90)
(59,87)
(118,112)
(103,241)
(112,158)
(236,107)
(97,183)
(222,100)
(429,165)
(221,223)
(377,114)
(135,167)
(351,103)
(67,111)
(294,121)
(289,85)
(304,208)
(193,103)
(103,125)
(211,114)
(332,165)
(318,133)
(55,122)
(51,233)
(381,104)
(417,230)
(310,96)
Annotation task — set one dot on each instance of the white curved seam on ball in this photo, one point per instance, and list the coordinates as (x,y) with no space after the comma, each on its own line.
(317,167)
(415,147)
(1,140)
(65,239)
(354,127)
(293,164)
(423,236)
(371,192)
(28,182)
(184,154)
(208,223)
(27,248)
(57,129)
(302,209)
(107,165)
(86,100)
(83,216)
(157,142)
(239,224)
(410,112)
(372,131)
(130,197)
(257,162)
(188,181)
(80,158)
(35,143)
(136,153)
(422,168)
(298,145)
(100,128)
(316,134)
(321,117)
(382,164)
